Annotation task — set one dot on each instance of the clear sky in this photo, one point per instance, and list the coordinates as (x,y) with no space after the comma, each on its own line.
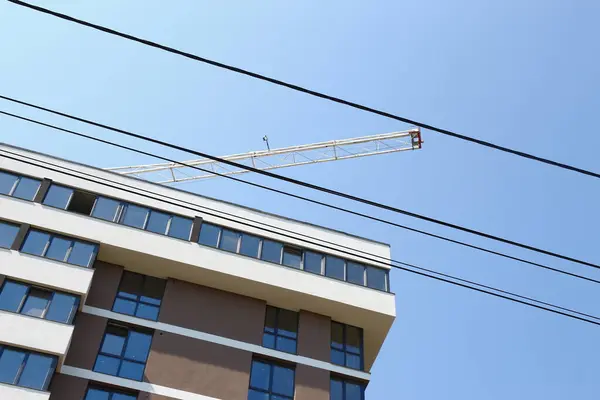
(519,73)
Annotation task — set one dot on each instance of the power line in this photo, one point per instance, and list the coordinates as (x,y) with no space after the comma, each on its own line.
(311,92)
(303,198)
(304,184)
(391,263)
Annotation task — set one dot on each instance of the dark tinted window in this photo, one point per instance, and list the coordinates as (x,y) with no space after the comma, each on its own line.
(97,393)
(58,196)
(346,345)
(157,222)
(82,202)
(346,390)
(334,267)
(123,352)
(250,245)
(209,235)
(106,209)
(134,216)
(7,182)
(292,257)
(25,368)
(26,188)
(377,278)
(139,295)
(271,251)
(281,329)
(355,273)
(229,240)
(270,381)
(8,232)
(180,227)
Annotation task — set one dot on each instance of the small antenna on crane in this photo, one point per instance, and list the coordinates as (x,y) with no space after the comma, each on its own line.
(266,140)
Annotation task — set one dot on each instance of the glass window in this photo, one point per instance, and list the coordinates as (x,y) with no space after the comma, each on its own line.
(250,245)
(346,345)
(58,249)
(135,216)
(97,393)
(25,368)
(82,254)
(270,381)
(209,235)
(62,308)
(12,295)
(281,329)
(180,227)
(313,262)
(35,243)
(377,278)
(7,182)
(346,390)
(36,303)
(58,196)
(123,352)
(106,209)
(292,257)
(139,295)
(271,251)
(355,273)
(229,240)
(26,188)
(157,222)
(334,267)
(8,233)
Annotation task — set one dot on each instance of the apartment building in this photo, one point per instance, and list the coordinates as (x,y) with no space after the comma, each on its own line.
(114,288)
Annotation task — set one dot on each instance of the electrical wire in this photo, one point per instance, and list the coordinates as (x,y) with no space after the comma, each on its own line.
(305,184)
(524,300)
(54,127)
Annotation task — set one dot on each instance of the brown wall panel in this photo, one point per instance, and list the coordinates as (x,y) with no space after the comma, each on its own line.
(104,285)
(2,277)
(87,336)
(314,335)
(65,387)
(214,311)
(199,367)
(311,383)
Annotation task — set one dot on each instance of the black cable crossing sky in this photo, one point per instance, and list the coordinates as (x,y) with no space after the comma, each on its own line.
(300,183)
(110,143)
(446,278)
(309,91)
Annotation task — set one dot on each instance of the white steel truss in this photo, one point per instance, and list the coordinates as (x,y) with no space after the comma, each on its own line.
(292,156)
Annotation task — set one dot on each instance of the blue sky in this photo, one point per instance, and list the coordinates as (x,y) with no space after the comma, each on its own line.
(520,74)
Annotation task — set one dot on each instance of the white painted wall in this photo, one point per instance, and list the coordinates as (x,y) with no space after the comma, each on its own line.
(34,334)
(9,392)
(44,272)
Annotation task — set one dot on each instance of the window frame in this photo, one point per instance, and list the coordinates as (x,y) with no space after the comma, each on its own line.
(21,369)
(18,226)
(47,308)
(111,391)
(276,333)
(16,184)
(345,346)
(139,297)
(121,358)
(344,381)
(272,364)
(65,260)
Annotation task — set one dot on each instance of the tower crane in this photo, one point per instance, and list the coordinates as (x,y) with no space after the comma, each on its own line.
(333,150)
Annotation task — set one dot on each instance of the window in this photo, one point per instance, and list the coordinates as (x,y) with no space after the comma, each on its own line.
(209,235)
(334,267)
(377,278)
(139,295)
(345,390)
(106,209)
(292,257)
(123,352)
(99,393)
(25,368)
(70,199)
(355,273)
(270,381)
(346,345)
(249,245)
(27,300)
(180,227)
(135,216)
(229,240)
(18,186)
(313,262)
(281,329)
(271,251)
(8,233)
(59,248)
